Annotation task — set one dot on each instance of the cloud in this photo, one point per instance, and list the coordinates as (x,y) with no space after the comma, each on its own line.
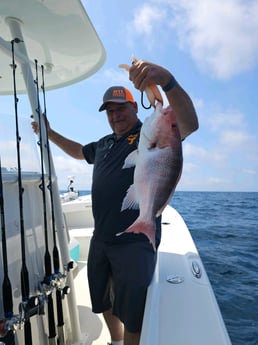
(189,167)
(115,76)
(224,154)
(221,37)
(230,128)
(249,172)
(80,170)
(146,17)
(235,139)
(146,23)
(199,153)
(227,119)
(231,131)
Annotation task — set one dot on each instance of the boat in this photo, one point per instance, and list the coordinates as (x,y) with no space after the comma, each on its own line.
(41,307)
(181,307)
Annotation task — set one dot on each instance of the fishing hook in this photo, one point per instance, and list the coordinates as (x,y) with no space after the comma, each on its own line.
(142,103)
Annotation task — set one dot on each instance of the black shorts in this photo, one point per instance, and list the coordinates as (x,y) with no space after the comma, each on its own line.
(119,275)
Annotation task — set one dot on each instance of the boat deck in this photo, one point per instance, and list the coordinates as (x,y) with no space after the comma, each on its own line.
(93,327)
(181,308)
(94,330)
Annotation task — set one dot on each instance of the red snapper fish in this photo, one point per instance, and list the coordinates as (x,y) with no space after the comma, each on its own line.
(158,166)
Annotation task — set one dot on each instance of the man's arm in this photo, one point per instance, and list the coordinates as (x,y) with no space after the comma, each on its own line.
(72,148)
(184,109)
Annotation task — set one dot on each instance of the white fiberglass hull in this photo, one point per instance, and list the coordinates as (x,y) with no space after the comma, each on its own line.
(181,307)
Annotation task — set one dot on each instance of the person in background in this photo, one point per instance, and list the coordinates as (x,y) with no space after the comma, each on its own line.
(120,268)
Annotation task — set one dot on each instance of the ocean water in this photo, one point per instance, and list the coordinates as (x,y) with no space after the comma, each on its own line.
(224,226)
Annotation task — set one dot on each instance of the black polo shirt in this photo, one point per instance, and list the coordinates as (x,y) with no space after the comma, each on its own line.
(110,184)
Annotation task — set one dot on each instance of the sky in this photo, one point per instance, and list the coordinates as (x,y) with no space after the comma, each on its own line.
(211,47)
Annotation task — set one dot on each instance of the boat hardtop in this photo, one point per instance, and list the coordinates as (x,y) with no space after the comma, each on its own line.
(58,34)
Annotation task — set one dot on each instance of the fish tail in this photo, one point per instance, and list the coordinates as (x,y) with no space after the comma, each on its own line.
(148,229)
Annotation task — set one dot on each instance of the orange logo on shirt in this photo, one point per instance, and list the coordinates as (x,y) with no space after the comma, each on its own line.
(131,138)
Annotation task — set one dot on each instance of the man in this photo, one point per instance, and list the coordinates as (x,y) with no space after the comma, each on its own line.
(120,268)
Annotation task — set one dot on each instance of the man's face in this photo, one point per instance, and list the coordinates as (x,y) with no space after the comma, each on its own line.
(122,117)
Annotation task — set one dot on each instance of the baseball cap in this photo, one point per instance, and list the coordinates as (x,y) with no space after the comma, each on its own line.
(117,94)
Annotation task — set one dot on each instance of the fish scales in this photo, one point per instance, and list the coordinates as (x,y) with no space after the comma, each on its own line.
(158,166)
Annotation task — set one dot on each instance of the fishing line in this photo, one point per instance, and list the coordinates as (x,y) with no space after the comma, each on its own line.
(56,262)
(6,287)
(25,287)
(47,258)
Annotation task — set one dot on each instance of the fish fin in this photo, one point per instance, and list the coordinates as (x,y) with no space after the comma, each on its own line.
(130,201)
(148,229)
(130,160)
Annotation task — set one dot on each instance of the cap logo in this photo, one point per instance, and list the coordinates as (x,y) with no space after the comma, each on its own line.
(118,93)
(131,138)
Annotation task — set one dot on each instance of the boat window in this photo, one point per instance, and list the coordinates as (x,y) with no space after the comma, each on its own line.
(8,148)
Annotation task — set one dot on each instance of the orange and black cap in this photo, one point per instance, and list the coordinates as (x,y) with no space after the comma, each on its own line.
(117,94)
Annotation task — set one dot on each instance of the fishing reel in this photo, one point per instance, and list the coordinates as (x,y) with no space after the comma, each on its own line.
(69,266)
(7,325)
(59,283)
(33,306)
(47,286)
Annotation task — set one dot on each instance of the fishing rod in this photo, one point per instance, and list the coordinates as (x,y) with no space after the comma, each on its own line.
(6,286)
(25,286)
(47,257)
(56,262)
